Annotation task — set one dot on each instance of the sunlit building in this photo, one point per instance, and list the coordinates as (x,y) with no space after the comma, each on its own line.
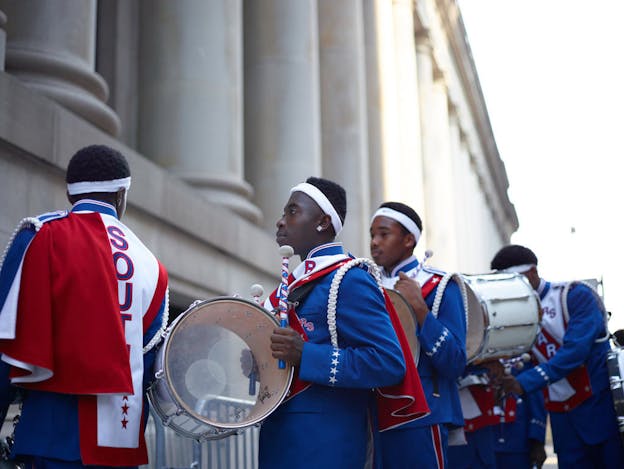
(221,106)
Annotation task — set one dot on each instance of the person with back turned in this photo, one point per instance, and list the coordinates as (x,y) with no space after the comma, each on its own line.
(83,302)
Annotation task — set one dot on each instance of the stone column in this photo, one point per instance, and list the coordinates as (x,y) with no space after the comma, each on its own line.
(437,169)
(374,103)
(343,112)
(191,96)
(409,173)
(282,120)
(51,48)
(2,39)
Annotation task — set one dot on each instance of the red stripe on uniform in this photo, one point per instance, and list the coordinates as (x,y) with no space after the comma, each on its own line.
(157,299)
(437,445)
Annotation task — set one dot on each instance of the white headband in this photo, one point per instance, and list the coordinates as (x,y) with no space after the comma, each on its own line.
(322,202)
(403,219)
(517,269)
(85,187)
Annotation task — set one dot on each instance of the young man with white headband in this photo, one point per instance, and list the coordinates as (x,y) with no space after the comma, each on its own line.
(82,304)
(571,349)
(395,230)
(341,350)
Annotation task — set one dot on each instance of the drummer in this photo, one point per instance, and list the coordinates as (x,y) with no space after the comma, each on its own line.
(71,340)
(395,230)
(324,423)
(572,351)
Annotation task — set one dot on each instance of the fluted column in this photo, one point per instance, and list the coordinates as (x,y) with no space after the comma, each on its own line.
(381,99)
(410,171)
(282,121)
(374,104)
(437,169)
(51,48)
(343,112)
(2,39)
(191,96)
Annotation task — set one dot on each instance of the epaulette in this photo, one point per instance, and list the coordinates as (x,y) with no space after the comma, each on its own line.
(49,216)
(433,270)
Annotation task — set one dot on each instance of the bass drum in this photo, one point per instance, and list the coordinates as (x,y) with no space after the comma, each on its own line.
(504,314)
(408,321)
(216,375)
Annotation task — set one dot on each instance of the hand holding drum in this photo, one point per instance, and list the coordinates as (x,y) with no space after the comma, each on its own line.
(410,289)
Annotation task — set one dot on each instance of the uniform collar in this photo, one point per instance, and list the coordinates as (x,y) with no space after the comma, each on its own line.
(90,205)
(329,249)
(543,288)
(404,266)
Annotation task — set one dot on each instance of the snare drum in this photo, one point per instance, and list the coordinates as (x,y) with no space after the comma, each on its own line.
(203,388)
(615,366)
(503,316)
(408,321)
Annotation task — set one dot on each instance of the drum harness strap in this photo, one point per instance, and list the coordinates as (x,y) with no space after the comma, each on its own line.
(566,315)
(437,301)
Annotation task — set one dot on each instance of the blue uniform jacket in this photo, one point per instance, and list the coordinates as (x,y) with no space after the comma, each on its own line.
(579,347)
(442,353)
(327,424)
(48,425)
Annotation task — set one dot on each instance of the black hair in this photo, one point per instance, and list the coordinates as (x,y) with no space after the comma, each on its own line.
(334,192)
(511,256)
(406,210)
(97,163)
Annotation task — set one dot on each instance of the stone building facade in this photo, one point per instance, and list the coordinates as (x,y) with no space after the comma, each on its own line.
(222,105)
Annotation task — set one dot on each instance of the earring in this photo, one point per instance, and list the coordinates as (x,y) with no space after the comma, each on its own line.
(319,228)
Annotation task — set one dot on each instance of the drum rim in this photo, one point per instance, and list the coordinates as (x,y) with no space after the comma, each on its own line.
(390,291)
(180,402)
(480,356)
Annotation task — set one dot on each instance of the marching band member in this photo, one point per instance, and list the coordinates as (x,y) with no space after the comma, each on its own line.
(340,352)
(572,350)
(519,437)
(481,414)
(83,303)
(395,230)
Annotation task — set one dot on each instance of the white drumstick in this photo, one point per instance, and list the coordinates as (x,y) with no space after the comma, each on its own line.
(256,292)
(428,254)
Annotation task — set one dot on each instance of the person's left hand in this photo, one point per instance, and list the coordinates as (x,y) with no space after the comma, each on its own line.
(510,385)
(495,369)
(287,345)
(411,291)
(537,453)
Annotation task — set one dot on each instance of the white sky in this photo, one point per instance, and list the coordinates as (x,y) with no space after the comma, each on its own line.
(552,72)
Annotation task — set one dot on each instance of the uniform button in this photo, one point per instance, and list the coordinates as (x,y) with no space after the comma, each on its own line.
(566,407)
(511,413)
(489,412)
(586,388)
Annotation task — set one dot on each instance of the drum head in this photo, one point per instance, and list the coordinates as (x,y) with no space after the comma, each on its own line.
(503,316)
(218,364)
(408,321)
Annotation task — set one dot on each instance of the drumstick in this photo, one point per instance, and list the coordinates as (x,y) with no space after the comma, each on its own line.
(428,254)
(517,362)
(286,252)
